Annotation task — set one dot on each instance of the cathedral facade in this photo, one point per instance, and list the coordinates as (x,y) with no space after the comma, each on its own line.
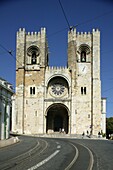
(49,99)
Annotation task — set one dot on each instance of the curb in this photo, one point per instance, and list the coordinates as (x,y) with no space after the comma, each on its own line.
(9,141)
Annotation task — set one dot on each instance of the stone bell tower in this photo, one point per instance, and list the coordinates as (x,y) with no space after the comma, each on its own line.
(31,61)
(84,66)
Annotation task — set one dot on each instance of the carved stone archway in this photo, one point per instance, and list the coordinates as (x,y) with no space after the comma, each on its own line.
(57,119)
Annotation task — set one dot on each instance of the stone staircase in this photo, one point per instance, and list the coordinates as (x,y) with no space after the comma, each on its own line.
(63,135)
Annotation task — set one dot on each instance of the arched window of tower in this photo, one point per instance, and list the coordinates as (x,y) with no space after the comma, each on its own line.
(83,53)
(33,52)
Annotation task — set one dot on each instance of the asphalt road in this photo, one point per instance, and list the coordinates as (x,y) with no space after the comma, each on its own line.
(57,154)
(102,151)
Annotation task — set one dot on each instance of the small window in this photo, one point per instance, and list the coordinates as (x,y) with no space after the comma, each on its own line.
(83,90)
(83,56)
(32,90)
(88,115)
(34,58)
(35,113)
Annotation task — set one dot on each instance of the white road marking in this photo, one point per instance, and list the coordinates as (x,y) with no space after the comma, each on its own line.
(44,161)
(57,142)
(58,147)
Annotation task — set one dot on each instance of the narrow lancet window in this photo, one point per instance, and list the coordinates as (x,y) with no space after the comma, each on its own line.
(83,56)
(33,59)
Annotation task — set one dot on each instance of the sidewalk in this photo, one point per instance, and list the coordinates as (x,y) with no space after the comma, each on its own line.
(9,141)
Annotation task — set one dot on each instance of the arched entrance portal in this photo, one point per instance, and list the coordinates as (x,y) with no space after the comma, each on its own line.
(57,118)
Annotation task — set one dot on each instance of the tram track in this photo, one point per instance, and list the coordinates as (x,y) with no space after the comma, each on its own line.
(60,154)
(74,161)
(41,146)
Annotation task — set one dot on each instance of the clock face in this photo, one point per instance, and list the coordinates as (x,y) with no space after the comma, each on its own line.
(83,69)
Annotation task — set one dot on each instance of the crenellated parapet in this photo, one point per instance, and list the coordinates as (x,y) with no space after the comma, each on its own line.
(53,70)
(87,33)
(56,68)
(83,34)
(32,35)
(72,34)
(86,36)
(23,31)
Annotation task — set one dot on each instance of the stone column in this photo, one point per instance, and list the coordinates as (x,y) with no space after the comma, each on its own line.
(69,125)
(13,114)
(2,120)
(44,125)
(7,120)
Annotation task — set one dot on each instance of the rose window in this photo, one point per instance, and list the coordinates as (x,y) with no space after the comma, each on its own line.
(57,89)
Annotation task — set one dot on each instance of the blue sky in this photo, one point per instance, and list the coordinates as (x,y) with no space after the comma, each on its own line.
(34,14)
